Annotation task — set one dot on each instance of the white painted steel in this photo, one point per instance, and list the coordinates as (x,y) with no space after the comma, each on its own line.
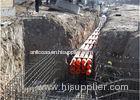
(85,49)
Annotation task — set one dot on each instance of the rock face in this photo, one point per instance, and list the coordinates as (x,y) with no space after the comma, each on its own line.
(132,47)
(118,41)
(118,53)
(11,53)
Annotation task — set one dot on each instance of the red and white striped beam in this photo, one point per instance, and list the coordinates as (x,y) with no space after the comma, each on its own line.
(82,61)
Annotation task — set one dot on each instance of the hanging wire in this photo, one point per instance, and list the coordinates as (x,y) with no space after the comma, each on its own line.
(36,72)
(43,70)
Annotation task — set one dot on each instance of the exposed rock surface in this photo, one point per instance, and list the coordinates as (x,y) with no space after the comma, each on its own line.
(11,53)
(119,53)
(119,41)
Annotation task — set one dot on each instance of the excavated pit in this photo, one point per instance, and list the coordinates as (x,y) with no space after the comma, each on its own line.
(56,31)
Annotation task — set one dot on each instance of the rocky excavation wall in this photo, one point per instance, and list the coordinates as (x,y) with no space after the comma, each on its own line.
(11,53)
(119,41)
(122,49)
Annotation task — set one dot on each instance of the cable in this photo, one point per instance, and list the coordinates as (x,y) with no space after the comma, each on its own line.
(37,71)
(43,69)
(40,62)
(48,76)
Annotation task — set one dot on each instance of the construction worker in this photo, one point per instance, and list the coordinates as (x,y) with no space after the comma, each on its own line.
(37,4)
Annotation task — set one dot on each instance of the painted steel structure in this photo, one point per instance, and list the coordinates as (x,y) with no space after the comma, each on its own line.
(84,57)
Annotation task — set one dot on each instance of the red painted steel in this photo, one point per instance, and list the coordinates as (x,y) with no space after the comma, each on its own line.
(82,61)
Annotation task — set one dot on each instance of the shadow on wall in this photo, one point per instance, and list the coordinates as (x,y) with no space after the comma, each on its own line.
(43,35)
